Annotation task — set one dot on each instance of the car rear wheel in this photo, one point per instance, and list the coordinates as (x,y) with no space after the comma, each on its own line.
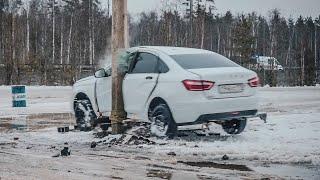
(235,126)
(162,123)
(85,116)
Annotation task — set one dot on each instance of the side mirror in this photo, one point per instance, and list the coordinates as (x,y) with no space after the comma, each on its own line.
(100,73)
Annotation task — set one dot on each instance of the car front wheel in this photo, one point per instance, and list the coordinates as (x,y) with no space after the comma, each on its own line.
(162,123)
(85,116)
(235,126)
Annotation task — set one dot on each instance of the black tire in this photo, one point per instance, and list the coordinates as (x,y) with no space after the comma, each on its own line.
(162,122)
(85,116)
(235,126)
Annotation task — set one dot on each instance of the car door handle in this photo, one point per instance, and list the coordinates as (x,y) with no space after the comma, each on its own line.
(149,77)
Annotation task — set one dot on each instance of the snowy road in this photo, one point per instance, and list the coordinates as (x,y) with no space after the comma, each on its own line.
(286,147)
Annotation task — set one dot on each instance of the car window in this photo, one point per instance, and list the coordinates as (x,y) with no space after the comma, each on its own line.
(145,63)
(163,68)
(198,61)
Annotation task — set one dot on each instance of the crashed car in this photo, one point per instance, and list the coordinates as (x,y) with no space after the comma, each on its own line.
(171,87)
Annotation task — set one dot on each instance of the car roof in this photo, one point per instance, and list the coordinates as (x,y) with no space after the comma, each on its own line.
(169,50)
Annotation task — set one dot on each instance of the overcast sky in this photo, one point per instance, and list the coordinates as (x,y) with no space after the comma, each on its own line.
(288,8)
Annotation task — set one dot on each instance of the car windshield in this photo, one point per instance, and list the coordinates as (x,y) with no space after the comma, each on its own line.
(199,61)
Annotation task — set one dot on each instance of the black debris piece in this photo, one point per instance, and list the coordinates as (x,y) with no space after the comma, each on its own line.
(56,155)
(63,129)
(101,134)
(104,126)
(171,154)
(65,151)
(225,157)
(93,144)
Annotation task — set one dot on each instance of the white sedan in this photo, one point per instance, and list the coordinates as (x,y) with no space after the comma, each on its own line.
(172,86)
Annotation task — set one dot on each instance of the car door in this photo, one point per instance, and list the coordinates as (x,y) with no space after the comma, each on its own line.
(139,82)
(103,92)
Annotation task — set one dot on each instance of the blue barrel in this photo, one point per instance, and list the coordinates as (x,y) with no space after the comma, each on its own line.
(19,96)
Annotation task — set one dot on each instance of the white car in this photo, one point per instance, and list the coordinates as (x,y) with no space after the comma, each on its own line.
(172,86)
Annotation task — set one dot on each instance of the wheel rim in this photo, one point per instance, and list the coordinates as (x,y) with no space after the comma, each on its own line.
(159,125)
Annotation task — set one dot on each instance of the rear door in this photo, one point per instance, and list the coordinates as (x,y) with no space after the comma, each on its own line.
(140,81)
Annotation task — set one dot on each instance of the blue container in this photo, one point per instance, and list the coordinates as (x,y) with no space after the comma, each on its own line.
(19,96)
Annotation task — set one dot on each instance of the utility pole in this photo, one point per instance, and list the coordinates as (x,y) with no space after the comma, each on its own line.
(118,114)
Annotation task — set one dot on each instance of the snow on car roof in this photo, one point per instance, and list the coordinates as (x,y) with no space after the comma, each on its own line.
(176,50)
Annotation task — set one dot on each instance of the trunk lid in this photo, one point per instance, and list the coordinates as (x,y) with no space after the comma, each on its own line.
(230,82)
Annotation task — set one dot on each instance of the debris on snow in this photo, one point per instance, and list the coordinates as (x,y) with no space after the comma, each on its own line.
(158,130)
(141,130)
(56,155)
(65,151)
(225,157)
(93,144)
(101,134)
(129,139)
(63,129)
(171,153)
(104,126)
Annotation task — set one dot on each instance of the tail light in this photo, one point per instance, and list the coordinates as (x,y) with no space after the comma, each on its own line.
(197,85)
(254,82)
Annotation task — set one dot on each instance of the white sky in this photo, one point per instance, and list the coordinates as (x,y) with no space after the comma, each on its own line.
(288,8)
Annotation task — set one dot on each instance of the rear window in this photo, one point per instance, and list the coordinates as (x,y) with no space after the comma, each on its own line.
(199,61)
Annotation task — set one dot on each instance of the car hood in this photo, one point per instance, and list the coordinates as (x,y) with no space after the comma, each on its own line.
(90,78)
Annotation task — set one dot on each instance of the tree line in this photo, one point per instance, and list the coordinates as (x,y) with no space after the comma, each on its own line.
(56,42)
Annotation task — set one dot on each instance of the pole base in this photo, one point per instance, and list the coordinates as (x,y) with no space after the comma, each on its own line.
(117,128)
(116,121)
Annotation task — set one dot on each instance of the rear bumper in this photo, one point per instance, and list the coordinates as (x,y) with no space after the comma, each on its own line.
(195,110)
(222,116)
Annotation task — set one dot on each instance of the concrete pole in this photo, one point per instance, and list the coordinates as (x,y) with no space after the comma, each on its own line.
(118,44)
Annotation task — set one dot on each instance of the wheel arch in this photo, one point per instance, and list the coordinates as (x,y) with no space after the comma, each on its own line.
(155,101)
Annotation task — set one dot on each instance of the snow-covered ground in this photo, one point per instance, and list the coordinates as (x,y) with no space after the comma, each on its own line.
(40,99)
(287,146)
